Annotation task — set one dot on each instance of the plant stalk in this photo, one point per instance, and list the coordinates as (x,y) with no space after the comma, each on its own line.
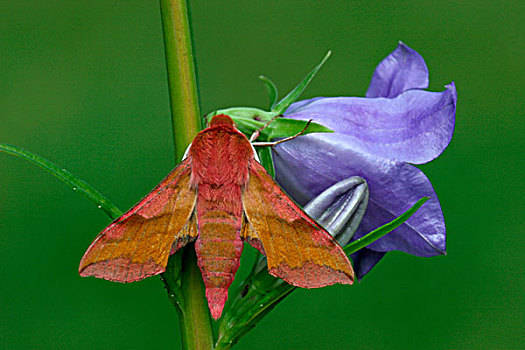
(193,312)
(182,82)
(183,278)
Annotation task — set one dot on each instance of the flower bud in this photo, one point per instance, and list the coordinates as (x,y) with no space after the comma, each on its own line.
(340,208)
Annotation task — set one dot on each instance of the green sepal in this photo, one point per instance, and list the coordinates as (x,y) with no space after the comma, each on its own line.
(285,127)
(272,91)
(279,128)
(293,95)
(78,185)
(249,119)
(243,113)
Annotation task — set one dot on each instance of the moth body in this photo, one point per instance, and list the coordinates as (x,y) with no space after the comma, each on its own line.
(219,157)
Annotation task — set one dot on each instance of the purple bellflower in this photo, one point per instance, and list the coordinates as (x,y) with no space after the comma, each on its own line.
(377,137)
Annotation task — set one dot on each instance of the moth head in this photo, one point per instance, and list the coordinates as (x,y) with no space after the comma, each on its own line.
(221,119)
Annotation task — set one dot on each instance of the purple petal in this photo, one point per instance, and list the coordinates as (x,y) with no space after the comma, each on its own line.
(309,164)
(415,127)
(402,70)
(364,260)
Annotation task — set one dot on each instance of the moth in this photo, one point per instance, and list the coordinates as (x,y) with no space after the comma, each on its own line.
(219,196)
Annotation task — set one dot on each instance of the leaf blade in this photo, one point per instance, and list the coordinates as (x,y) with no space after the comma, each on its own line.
(77,184)
(383,230)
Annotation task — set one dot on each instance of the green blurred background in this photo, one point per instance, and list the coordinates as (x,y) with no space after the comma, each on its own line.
(83,83)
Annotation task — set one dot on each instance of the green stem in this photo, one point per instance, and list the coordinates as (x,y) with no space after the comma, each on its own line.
(193,313)
(183,281)
(182,82)
(183,278)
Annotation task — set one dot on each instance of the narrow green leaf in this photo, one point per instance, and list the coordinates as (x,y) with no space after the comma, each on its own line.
(272,90)
(78,185)
(243,113)
(279,128)
(282,105)
(383,230)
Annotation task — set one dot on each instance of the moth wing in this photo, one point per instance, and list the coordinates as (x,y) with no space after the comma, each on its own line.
(298,250)
(138,243)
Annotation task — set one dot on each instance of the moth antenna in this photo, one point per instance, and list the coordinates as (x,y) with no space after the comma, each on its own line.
(272,144)
(255,155)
